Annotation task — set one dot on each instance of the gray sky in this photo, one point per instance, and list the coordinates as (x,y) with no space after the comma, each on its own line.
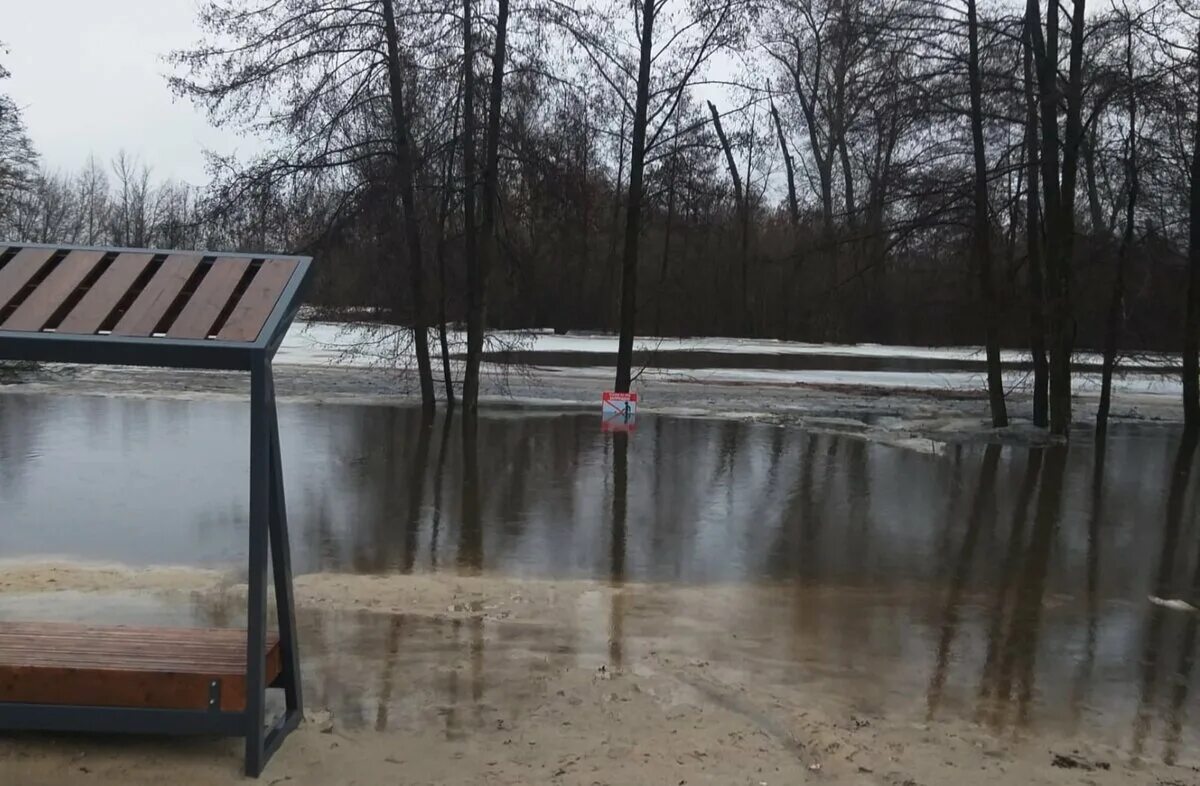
(89,76)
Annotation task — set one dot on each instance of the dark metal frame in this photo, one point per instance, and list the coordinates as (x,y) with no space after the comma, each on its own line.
(267,525)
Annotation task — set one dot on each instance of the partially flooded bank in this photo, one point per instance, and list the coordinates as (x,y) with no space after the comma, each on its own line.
(716,601)
(924,412)
(477,679)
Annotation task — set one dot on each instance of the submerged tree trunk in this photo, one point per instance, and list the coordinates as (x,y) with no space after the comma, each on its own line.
(981,245)
(1059,200)
(1033,245)
(412,230)
(1047,71)
(440,255)
(633,210)
(1116,303)
(1191,322)
(470,231)
(477,309)
(1062,314)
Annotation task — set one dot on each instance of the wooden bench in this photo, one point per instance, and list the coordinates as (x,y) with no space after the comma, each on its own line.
(179,309)
(120,666)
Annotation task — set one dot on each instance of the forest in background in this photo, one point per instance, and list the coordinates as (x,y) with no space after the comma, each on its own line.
(896,171)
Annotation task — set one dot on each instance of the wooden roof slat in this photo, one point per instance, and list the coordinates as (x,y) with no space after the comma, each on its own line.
(90,312)
(148,309)
(250,314)
(210,299)
(20,270)
(48,297)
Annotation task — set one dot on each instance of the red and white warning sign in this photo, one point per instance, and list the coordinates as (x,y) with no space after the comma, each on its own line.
(618,411)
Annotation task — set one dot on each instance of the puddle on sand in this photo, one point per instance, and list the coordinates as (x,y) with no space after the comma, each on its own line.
(1000,585)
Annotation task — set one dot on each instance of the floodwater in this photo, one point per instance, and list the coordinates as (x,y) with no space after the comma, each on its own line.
(1000,585)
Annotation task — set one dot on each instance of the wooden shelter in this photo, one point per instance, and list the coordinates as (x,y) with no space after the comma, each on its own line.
(144,307)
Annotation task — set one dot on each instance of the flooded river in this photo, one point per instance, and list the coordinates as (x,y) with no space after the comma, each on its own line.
(1000,585)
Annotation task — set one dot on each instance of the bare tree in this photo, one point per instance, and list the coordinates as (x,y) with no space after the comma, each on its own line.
(1033,242)
(92,186)
(1116,304)
(741,199)
(788,164)
(982,225)
(132,215)
(346,113)
(660,79)
(1059,194)
(477,284)
(402,135)
(1191,319)
(18,158)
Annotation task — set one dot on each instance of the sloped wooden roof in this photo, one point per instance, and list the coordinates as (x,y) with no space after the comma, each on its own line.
(145,306)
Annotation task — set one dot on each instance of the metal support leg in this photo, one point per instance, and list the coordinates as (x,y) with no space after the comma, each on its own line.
(281,563)
(256,611)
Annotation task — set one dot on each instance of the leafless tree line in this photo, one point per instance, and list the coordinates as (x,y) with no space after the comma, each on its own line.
(913,171)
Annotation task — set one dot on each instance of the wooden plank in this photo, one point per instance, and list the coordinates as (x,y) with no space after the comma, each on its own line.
(53,291)
(148,309)
(250,314)
(19,270)
(164,668)
(90,312)
(210,299)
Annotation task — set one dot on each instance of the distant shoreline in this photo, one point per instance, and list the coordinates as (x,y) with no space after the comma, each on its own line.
(925,419)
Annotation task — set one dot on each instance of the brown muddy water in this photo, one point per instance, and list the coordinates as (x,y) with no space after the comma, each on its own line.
(999,585)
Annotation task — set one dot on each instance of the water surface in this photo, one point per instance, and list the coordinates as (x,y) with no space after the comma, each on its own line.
(1003,585)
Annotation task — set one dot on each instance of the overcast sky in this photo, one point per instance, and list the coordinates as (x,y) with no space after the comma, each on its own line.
(89,76)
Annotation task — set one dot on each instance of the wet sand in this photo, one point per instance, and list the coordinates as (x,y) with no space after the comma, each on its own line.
(472,679)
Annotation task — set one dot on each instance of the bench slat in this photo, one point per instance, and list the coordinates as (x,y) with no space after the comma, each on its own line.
(121,666)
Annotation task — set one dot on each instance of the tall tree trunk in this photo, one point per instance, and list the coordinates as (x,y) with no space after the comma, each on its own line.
(983,228)
(823,162)
(470,230)
(789,167)
(1033,246)
(1191,322)
(746,228)
(740,200)
(584,206)
(412,230)
(616,211)
(666,253)
(1063,318)
(477,311)
(847,179)
(1047,67)
(1095,210)
(1116,303)
(440,255)
(633,210)
(1059,200)
(793,263)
